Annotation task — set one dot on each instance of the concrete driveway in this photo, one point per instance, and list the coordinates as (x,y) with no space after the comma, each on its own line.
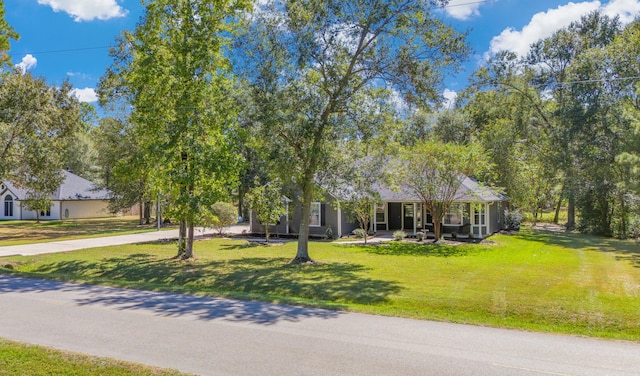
(73,245)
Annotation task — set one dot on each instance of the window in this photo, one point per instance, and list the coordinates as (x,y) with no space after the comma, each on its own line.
(8,206)
(315,219)
(454,216)
(46,213)
(479,216)
(380,214)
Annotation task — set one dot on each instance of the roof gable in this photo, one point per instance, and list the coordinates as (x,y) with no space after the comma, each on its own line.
(73,187)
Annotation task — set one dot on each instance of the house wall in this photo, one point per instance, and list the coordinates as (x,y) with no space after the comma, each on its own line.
(31,214)
(83,209)
(256,227)
(496,216)
(348,225)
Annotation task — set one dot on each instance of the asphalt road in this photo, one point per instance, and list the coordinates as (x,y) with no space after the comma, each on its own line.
(212,336)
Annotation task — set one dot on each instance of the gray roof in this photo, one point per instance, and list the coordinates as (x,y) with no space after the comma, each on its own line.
(73,187)
(469,191)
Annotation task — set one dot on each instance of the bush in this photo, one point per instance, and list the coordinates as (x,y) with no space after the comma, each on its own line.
(399,235)
(359,233)
(512,219)
(223,215)
(329,232)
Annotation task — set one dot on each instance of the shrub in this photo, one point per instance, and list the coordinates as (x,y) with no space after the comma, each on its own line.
(512,219)
(329,232)
(223,215)
(359,233)
(399,235)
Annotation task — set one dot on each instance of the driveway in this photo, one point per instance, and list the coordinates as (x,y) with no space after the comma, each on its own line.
(73,245)
(211,336)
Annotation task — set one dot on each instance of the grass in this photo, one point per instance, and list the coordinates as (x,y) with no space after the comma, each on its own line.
(21,359)
(533,280)
(26,232)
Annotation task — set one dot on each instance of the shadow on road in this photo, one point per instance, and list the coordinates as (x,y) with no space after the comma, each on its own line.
(165,304)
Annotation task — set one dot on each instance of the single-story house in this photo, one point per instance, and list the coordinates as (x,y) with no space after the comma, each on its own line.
(75,198)
(477,212)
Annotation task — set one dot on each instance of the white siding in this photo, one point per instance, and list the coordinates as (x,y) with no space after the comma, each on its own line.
(83,209)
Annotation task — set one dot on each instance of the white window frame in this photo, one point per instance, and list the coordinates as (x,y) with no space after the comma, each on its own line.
(454,209)
(319,206)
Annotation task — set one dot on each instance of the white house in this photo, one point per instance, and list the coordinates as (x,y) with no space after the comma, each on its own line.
(75,198)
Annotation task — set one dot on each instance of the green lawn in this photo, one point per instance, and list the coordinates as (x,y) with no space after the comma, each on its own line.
(26,232)
(21,359)
(534,280)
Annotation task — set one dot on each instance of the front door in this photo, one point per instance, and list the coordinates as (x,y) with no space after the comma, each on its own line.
(395,215)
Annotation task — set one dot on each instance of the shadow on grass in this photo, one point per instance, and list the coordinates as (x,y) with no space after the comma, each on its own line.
(267,279)
(625,250)
(419,249)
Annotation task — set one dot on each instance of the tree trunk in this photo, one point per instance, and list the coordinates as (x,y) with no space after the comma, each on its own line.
(266,233)
(141,207)
(188,251)
(557,215)
(147,212)
(571,211)
(302,256)
(182,236)
(437,229)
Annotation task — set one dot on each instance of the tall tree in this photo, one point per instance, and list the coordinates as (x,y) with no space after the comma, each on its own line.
(556,58)
(37,122)
(309,59)
(174,72)
(6,34)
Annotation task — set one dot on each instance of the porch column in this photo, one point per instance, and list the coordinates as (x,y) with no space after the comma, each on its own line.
(339,222)
(487,218)
(286,218)
(415,217)
(374,225)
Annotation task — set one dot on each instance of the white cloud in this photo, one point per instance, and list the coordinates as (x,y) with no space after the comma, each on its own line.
(28,62)
(450,98)
(463,9)
(85,95)
(627,10)
(544,24)
(87,10)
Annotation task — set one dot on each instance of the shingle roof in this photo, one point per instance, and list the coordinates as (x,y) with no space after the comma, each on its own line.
(469,191)
(73,187)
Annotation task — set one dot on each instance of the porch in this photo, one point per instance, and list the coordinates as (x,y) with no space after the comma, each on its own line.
(463,221)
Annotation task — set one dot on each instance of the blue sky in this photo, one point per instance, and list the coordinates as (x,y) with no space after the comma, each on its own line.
(69,39)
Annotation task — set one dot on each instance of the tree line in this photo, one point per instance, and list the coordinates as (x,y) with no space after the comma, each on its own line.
(209,99)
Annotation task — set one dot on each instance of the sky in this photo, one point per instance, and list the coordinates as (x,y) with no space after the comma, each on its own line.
(69,39)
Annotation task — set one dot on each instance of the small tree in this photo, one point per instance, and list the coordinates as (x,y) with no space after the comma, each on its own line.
(360,209)
(434,171)
(38,203)
(267,203)
(223,214)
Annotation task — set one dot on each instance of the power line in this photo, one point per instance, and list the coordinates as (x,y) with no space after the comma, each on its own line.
(599,80)
(106,47)
(58,51)
(469,3)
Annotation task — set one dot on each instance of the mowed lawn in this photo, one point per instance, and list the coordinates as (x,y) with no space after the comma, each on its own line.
(533,280)
(26,232)
(22,359)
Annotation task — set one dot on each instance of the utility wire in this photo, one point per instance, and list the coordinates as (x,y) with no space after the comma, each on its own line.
(106,47)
